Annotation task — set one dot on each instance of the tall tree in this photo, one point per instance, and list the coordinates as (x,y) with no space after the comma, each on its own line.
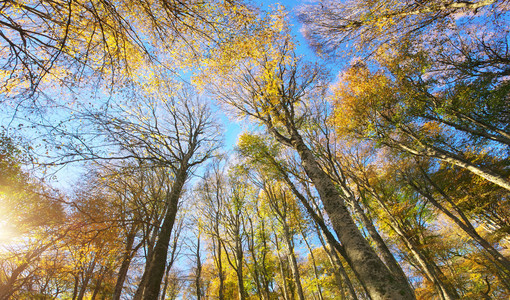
(213,195)
(67,41)
(436,81)
(175,132)
(396,112)
(274,91)
(284,209)
(366,26)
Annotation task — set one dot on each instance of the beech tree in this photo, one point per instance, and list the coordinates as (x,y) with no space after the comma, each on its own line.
(174,133)
(212,195)
(70,41)
(360,28)
(397,113)
(439,70)
(274,91)
(284,209)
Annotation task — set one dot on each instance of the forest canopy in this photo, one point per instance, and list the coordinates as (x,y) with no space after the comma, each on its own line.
(376,168)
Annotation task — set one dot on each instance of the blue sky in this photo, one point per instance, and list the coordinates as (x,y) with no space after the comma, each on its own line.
(234,128)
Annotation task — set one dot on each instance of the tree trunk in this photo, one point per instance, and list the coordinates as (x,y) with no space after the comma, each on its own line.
(253,254)
(429,268)
(380,282)
(312,258)
(176,234)
(158,261)
(126,262)
(293,262)
(219,265)
(498,259)
(239,270)
(150,240)
(265,276)
(75,288)
(319,222)
(102,273)
(338,268)
(86,279)
(198,274)
(286,294)
(383,250)
(456,160)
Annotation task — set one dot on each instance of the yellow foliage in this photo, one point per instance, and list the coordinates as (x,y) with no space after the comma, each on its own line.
(359,97)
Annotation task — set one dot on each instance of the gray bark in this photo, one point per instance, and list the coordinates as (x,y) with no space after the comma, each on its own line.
(382,248)
(380,282)
(126,262)
(158,260)
(445,290)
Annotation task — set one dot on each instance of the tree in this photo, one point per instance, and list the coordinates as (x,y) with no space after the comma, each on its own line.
(173,132)
(398,113)
(67,41)
(188,130)
(438,79)
(224,197)
(366,26)
(387,183)
(274,91)
(131,205)
(283,207)
(431,190)
(32,214)
(409,218)
(233,221)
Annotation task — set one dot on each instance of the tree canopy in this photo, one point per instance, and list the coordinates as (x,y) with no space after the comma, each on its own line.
(377,169)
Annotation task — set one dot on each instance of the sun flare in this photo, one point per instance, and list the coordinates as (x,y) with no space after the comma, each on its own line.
(7,230)
(7,233)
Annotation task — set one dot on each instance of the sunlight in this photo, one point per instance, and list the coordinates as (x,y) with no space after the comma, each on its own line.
(7,233)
